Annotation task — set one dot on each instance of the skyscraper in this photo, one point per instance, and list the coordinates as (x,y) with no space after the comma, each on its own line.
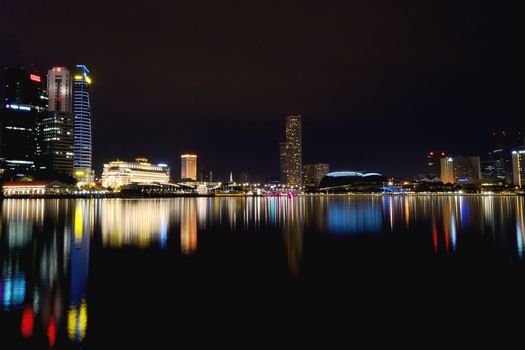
(313,173)
(25,99)
(24,88)
(83,145)
(54,146)
(59,89)
(188,169)
(518,166)
(433,163)
(503,142)
(460,169)
(291,153)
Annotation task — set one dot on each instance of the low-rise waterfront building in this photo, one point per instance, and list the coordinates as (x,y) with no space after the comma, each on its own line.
(33,188)
(118,173)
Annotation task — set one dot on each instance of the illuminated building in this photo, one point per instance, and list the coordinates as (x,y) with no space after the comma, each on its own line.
(518,166)
(291,153)
(33,188)
(24,88)
(82,162)
(447,170)
(188,167)
(433,163)
(503,142)
(460,169)
(54,146)
(313,173)
(25,99)
(59,89)
(118,173)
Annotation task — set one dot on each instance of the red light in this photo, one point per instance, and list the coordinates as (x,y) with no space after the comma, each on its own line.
(431,153)
(59,69)
(28,318)
(443,154)
(52,331)
(34,77)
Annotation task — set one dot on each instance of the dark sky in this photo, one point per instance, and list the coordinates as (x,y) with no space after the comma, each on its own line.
(378,83)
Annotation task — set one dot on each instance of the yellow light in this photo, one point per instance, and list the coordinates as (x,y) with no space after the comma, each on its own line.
(78,77)
(72,322)
(78,224)
(88,80)
(79,173)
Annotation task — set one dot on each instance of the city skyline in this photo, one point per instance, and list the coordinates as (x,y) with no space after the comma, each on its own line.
(385,89)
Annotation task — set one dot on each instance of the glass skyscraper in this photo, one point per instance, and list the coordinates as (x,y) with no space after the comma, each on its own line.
(83,146)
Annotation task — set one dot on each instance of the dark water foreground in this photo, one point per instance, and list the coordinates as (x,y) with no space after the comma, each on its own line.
(245,272)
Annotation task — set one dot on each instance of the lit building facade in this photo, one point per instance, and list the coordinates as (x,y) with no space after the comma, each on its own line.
(518,167)
(25,100)
(118,173)
(54,146)
(24,89)
(291,152)
(434,163)
(59,89)
(83,145)
(188,167)
(460,170)
(314,173)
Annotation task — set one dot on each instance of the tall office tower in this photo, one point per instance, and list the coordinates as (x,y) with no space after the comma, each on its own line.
(293,153)
(518,166)
(503,142)
(314,173)
(83,145)
(460,169)
(244,177)
(24,88)
(25,99)
(447,170)
(433,163)
(59,89)
(54,144)
(188,169)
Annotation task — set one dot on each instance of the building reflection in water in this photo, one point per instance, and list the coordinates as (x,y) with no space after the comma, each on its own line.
(293,227)
(188,225)
(520,227)
(44,249)
(77,311)
(134,222)
(351,215)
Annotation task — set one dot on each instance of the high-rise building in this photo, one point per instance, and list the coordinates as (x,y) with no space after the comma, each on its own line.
(447,170)
(59,89)
(188,169)
(518,166)
(460,169)
(433,163)
(292,154)
(314,173)
(83,145)
(54,144)
(503,142)
(25,99)
(24,88)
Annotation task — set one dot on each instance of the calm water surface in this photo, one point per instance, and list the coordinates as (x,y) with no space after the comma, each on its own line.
(115,272)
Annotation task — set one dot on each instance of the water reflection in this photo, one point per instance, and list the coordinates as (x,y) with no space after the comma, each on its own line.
(46,246)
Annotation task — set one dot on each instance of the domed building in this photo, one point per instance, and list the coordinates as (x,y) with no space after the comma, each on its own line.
(352,181)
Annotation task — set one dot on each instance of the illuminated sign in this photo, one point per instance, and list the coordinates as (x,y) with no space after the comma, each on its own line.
(36,78)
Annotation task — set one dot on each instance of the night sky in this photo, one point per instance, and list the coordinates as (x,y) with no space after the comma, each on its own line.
(378,83)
